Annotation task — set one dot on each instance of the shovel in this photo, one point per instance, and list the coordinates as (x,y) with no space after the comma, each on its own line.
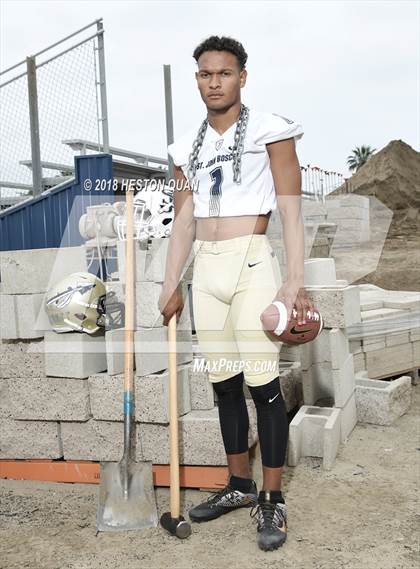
(126,494)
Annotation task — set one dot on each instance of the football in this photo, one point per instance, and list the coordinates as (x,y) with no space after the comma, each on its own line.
(274,321)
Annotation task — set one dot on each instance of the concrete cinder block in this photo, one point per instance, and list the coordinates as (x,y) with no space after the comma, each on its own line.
(321,381)
(321,248)
(74,354)
(32,271)
(106,396)
(319,272)
(290,387)
(32,320)
(4,399)
(359,362)
(114,343)
(151,396)
(331,346)
(296,370)
(201,390)
(414,334)
(154,440)
(149,356)
(396,339)
(114,305)
(95,440)
(372,346)
(416,353)
(366,305)
(156,259)
(150,260)
(147,307)
(30,439)
(140,253)
(200,439)
(381,313)
(372,340)
(315,431)
(22,359)
(348,417)
(402,301)
(339,306)
(312,208)
(348,212)
(382,402)
(49,399)
(289,353)
(8,320)
(344,201)
(389,360)
(354,224)
(152,348)
(346,236)
(355,346)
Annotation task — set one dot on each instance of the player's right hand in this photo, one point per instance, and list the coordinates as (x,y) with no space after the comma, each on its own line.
(170,302)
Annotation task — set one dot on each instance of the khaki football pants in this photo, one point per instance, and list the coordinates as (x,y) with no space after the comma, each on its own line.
(234,280)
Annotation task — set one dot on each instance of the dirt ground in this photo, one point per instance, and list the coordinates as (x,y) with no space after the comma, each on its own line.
(362,514)
(399,265)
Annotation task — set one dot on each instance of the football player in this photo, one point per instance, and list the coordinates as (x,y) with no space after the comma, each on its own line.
(232,170)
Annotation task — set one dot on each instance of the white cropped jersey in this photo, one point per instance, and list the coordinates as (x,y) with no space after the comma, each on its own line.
(215,194)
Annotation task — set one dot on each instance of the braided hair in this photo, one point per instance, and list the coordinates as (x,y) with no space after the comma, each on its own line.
(237,150)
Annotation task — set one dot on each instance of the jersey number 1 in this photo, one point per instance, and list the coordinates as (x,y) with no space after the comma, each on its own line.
(216,190)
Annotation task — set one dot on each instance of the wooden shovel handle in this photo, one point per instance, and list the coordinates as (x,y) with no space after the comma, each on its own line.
(129,297)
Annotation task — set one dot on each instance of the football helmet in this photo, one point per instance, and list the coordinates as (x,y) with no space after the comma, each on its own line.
(148,223)
(81,303)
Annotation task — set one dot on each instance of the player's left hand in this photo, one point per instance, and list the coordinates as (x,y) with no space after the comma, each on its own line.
(293,294)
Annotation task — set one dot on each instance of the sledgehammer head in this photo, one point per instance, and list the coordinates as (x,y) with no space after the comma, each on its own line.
(175,526)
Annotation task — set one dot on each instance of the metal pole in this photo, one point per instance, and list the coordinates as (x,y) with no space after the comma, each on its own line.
(102,84)
(50,46)
(34,124)
(169,117)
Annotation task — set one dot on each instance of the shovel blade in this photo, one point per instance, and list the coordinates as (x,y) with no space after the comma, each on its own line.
(126,497)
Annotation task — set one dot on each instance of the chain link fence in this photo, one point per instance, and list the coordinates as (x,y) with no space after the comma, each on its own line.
(53,100)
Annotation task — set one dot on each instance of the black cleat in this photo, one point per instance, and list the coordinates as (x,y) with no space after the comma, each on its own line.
(271,520)
(223,502)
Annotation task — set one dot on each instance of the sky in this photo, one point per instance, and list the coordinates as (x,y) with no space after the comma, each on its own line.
(348,71)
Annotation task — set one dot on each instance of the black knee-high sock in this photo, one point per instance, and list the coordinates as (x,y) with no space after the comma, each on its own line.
(272,422)
(233,414)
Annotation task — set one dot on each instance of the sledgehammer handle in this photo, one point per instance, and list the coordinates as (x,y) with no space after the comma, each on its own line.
(173,418)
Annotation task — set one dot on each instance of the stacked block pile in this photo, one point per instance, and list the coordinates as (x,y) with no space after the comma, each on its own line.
(350,213)
(388,351)
(38,388)
(319,233)
(339,390)
(61,395)
(342,221)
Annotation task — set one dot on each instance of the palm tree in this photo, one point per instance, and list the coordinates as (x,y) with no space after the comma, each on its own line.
(359,157)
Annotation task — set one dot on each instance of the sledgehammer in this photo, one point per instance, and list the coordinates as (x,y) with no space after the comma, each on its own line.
(172,521)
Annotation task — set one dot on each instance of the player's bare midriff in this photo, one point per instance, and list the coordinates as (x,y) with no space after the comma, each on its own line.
(218,228)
